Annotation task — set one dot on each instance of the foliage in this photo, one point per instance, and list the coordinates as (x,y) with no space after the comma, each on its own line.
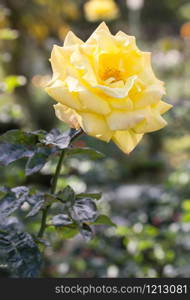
(37,147)
(78,211)
(21,253)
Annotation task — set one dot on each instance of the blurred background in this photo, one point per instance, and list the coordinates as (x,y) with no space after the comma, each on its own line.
(147,194)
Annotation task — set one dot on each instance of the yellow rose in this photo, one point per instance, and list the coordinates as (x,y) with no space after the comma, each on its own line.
(96,10)
(107,87)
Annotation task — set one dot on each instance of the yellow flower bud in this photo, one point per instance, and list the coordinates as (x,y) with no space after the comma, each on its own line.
(96,10)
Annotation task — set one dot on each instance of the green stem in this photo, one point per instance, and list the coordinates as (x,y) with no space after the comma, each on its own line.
(54,185)
(53,188)
(43,222)
(57,172)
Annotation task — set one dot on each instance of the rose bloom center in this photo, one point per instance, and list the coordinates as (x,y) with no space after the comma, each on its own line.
(111,75)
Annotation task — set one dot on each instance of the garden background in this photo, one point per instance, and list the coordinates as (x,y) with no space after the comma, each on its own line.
(146,193)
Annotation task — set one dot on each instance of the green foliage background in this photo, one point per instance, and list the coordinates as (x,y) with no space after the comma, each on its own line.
(146,194)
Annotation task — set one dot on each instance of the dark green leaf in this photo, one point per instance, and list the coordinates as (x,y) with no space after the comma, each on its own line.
(86,232)
(12,223)
(74,133)
(20,191)
(37,207)
(87,152)
(39,201)
(22,254)
(56,138)
(84,210)
(13,200)
(40,134)
(96,196)
(104,220)
(43,242)
(67,232)
(15,197)
(16,144)
(5,245)
(49,199)
(38,160)
(67,195)
(61,220)
(18,136)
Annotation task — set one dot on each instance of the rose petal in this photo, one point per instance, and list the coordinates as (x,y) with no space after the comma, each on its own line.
(95,125)
(163,107)
(152,123)
(60,93)
(67,115)
(126,140)
(57,55)
(93,103)
(122,120)
(72,40)
(151,95)
(118,92)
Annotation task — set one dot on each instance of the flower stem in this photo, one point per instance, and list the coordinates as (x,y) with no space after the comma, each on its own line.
(57,172)
(54,184)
